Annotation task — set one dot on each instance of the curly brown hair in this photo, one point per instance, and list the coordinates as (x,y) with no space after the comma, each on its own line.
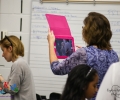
(97,31)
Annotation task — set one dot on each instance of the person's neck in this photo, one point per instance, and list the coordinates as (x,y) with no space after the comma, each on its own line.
(14,59)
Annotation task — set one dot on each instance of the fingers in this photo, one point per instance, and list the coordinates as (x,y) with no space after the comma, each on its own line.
(50,32)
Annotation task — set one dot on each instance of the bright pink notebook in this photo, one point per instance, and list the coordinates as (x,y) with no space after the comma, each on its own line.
(64,43)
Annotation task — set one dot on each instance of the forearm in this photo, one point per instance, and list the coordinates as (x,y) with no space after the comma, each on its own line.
(52,54)
(65,66)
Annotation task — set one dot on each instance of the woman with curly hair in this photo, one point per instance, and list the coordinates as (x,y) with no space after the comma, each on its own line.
(98,53)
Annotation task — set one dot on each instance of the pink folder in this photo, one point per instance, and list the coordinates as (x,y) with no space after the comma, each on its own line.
(58,24)
(62,33)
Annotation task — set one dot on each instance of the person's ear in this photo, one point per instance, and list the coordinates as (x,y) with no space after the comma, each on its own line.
(10,49)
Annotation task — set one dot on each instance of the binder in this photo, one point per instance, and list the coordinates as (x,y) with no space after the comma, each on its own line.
(64,41)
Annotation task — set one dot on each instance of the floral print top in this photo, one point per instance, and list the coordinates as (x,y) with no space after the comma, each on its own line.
(94,57)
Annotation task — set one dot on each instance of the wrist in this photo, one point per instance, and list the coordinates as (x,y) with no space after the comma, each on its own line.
(51,43)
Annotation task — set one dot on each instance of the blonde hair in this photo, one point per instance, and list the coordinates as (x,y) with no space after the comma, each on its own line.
(17,45)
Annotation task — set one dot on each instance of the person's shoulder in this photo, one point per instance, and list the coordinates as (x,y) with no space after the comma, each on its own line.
(115,68)
(113,51)
(20,62)
(90,48)
(81,51)
(116,65)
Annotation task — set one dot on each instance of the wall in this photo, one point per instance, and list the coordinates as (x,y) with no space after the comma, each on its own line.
(10,14)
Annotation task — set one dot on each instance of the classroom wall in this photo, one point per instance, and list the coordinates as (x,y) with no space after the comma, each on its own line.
(10,14)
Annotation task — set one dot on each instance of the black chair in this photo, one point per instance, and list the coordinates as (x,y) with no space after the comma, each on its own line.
(38,97)
(54,96)
(43,97)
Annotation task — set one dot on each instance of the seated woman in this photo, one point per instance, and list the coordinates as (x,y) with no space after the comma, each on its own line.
(81,83)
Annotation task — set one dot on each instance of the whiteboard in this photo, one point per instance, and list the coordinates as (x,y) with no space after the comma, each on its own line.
(45,81)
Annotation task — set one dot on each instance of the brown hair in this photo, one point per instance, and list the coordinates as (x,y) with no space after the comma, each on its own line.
(18,48)
(97,31)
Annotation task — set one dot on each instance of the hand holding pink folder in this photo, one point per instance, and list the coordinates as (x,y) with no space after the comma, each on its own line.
(50,37)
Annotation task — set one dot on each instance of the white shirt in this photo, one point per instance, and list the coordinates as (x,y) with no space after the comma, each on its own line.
(110,87)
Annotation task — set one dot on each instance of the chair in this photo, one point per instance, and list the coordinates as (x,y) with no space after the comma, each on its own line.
(54,96)
(38,97)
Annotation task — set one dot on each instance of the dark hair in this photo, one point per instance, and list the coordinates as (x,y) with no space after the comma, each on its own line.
(97,31)
(77,82)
